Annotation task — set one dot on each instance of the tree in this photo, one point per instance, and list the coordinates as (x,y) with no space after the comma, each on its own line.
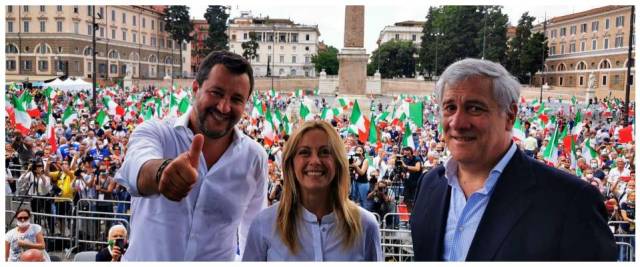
(531,59)
(250,47)
(218,39)
(519,52)
(327,60)
(495,37)
(177,23)
(394,58)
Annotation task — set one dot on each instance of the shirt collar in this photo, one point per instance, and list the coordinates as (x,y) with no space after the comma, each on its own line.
(312,218)
(451,170)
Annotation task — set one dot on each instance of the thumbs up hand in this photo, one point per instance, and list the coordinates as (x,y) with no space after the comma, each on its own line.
(181,174)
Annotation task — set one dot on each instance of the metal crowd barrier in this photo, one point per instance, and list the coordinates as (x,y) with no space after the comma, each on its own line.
(396,245)
(401,222)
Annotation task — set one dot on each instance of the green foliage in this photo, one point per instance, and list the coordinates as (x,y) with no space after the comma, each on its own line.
(178,24)
(218,39)
(394,58)
(327,60)
(250,47)
(524,57)
(451,33)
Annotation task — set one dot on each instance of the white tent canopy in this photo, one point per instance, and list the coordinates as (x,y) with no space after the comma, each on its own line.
(70,85)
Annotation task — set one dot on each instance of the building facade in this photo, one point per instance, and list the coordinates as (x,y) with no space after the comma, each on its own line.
(284,47)
(405,30)
(594,42)
(200,33)
(43,42)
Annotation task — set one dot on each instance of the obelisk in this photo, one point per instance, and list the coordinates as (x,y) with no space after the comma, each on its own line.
(353,56)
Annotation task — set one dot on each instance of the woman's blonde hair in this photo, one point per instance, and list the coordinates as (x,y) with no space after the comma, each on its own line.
(290,210)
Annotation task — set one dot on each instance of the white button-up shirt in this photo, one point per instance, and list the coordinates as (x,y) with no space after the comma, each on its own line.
(317,241)
(212,221)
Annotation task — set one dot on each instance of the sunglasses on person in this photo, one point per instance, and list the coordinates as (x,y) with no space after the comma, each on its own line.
(23,218)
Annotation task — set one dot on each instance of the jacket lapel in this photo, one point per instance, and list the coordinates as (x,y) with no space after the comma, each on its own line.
(508,203)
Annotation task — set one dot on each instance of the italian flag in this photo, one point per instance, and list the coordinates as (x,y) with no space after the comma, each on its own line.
(551,151)
(343,103)
(577,124)
(535,104)
(114,108)
(305,114)
(69,115)
(329,113)
(415,113)
(269,131)
(588,152)
(299,93)
(102,119)
(184,104)
(574,157)
(407,138)
(50,133)
(358,123)
(30,105)
(518,130)
(373,135)
(286,126)
(22,118)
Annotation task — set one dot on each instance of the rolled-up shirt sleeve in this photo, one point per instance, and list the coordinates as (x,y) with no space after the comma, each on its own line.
(145,144)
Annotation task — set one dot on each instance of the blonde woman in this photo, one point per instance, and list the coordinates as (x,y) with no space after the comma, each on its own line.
(315,220)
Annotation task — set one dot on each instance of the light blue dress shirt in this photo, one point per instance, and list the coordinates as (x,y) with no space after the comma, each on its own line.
(318,241)
(213,219)
(465,215)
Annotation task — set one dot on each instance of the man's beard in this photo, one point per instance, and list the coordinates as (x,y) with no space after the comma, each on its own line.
(202,117)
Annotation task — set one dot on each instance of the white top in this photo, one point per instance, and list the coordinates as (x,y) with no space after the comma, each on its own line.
(30,235)
(206,224)
(318,241)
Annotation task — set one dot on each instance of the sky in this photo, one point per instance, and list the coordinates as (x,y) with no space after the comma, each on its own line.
(329,14)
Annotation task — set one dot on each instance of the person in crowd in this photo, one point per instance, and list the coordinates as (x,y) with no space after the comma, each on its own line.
(32,255)
(23,237)
(196,178)
(36,182)
(460,210)
(64,179)
(315,220)
(411,165)
(358,167)
(118,244)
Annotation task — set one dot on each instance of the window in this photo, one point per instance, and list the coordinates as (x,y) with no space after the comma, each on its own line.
(101,11)
(11,65)
(307,37)
(113,68)
(594,43)
(42,26)
(11,49)
(606,43)
(553,50)
(102,32)
(619,41)
(59,8)
(153,41)
(572,30)
(605,64)
(397,37)
(113,34)
(293,59)
(561,67)
(606,24)
(306,60)
(619,21)
(306,48)
(113,15)
(59,26)
(25,25)
(153,24)
(89,11)
(25,8)
(244,36)
(281,59)
(9,26)
(75,9)
(144,22)
(582,46)
(581,80)
(233,37)
(282,38)
(144,39)
(89,29)
(294,37)
(563,32)
(581,66)
(133,21)
(42,9)
(583,28)
(124,18)
(134,37)
(413,37)
(76,27)
(561,49)
(572,47)
(9,9)
(87,51)
(43,65)
(42,49)
(594,26)
(124,35)
(604,80)
(554,33)
(561,80)
(27,65)
(123,69)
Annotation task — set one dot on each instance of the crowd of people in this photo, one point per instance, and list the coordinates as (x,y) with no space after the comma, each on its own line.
(69,151)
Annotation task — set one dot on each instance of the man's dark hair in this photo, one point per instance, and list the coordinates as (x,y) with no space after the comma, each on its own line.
(408,148)
(233,62)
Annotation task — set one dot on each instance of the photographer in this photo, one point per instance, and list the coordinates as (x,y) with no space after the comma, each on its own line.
(118,243)
(382,201)
(36,182)
(410,164)
(358,167)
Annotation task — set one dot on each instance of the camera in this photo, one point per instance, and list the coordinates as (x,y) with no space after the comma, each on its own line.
(120,243)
